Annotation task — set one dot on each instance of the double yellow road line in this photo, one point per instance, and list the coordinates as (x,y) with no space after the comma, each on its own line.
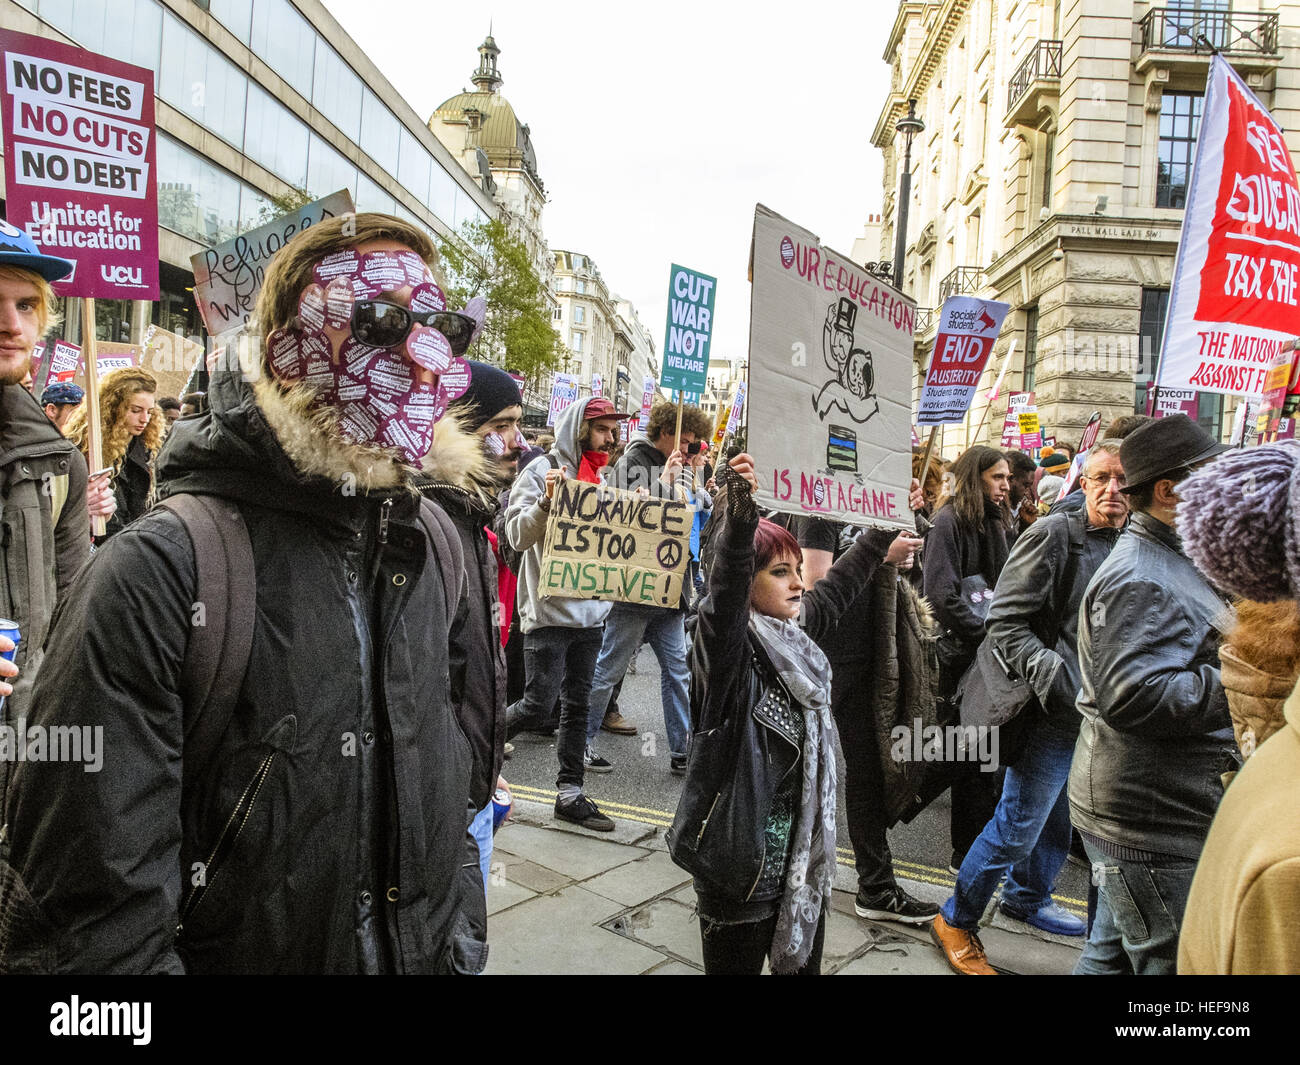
(926,874)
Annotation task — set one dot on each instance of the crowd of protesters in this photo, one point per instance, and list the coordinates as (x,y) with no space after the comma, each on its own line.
(309,632)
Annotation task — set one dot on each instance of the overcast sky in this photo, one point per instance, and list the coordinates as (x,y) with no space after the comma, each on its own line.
(658,128)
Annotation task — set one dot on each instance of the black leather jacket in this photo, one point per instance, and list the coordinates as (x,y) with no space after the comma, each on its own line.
(1155,732)
(740,751)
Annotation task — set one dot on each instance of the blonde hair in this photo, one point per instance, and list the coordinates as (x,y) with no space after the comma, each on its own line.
(45,316)
(116,390)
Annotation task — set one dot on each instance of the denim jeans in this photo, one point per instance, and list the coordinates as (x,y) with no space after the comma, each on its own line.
(1028,838)
(628,626)
(1139,912)
(481,829)
(559,662)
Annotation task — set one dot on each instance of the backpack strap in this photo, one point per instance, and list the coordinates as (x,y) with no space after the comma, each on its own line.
(221,627)
(449,551)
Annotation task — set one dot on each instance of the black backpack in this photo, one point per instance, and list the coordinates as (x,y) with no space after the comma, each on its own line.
(216,657)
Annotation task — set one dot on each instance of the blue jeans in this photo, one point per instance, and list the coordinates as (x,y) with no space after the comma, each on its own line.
(1140,909)
(628,626)
(1026,841)
(559,663)
(481,829)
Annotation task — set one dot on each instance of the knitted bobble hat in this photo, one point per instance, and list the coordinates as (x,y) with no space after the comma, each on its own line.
(1239,518)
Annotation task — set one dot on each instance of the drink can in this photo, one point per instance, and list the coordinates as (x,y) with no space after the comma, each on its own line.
(501,803)
(10,629)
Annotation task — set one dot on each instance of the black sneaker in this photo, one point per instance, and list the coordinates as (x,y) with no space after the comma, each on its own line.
(594,763)
(899,906)
(954,864)
(677,763)
(582,811)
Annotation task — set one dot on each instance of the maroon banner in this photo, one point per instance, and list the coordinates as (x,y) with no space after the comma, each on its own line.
(80,163)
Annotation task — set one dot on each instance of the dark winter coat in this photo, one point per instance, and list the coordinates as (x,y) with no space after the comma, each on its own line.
(954,551)
(739,751)
(1155,733)
(328,833)
(458,479)
(1032,606)
(45,536)
(132,487)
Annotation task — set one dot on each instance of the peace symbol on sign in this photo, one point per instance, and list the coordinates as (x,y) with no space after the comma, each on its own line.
(669,554)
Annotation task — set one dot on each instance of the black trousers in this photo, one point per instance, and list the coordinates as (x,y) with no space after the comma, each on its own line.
(864,782)
(740,949)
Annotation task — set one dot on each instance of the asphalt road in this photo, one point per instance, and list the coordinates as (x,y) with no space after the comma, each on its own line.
(642,788)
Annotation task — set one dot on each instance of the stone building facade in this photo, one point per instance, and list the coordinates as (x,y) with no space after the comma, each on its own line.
(1051,174)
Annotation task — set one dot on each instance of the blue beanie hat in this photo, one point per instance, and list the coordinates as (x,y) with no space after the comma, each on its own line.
(63,393)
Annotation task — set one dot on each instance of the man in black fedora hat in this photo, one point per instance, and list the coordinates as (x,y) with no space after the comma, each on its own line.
(1155,734)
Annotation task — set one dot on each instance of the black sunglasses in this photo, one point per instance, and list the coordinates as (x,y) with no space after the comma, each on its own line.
(380,324)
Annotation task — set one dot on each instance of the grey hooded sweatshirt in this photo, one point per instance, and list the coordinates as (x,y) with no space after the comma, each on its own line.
(526,530)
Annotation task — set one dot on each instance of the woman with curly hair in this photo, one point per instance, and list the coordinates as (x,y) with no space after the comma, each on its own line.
(131,428)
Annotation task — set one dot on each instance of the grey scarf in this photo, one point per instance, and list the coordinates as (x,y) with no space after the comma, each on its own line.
(810,872)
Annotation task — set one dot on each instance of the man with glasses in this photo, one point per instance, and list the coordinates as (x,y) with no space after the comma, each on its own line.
(318,822)
(1033,625)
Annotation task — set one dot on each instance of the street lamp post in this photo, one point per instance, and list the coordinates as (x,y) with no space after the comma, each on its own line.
(909,126)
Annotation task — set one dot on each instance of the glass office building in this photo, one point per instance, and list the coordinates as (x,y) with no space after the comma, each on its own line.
(257,99)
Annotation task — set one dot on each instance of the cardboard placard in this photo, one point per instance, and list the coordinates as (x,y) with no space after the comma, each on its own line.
(830,351)
(604,543)
(227,278)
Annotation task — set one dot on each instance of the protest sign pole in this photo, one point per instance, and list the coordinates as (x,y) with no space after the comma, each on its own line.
(94,443)
(929,449)
(677,435)
(997,388)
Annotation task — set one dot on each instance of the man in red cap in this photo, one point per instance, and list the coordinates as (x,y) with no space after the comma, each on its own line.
(562,636)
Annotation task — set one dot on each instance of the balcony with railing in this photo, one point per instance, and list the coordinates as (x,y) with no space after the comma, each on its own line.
(1183,38)
(1035,84)
(961,281)
(927,318)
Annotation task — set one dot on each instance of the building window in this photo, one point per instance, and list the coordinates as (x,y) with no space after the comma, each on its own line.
(1031,348)
(1155,306)
(575,341)
(580,287)
(1180,121)
(557,314)
(579,315)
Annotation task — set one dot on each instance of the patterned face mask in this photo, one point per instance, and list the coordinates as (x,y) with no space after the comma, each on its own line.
(385,364)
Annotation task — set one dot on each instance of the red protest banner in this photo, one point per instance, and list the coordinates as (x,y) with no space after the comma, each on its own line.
(79,152)
(1236,290)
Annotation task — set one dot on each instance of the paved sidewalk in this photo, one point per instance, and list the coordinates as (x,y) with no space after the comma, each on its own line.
(565,900)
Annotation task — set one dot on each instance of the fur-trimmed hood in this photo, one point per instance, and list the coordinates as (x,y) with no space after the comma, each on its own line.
(457,461)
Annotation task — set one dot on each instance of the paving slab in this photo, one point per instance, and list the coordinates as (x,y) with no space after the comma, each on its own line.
(529,874)
(897,959)
(502,893)
(640,880)
(578,856)
(556,935)
(675,968)
(666,925)
(845,936)
(1028,955)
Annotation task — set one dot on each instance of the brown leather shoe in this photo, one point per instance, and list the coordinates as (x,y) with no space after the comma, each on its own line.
(962,950)
(619,725)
